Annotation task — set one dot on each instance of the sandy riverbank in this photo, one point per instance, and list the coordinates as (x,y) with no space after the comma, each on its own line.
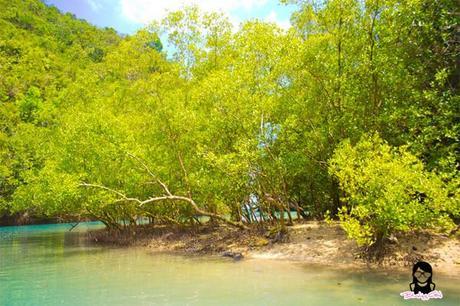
(313,242)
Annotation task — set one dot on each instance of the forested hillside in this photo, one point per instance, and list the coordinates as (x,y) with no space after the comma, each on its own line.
(352,113)
(42,52)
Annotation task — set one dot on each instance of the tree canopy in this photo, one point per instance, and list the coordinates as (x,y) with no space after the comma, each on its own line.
(255,124)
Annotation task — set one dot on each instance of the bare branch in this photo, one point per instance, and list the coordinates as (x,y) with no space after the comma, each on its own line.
(144,165)
(165,187)
(169,197)
(122,195)
(181,162)
(195,207)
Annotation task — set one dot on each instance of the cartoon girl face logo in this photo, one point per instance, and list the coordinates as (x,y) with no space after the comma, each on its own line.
(422,278)
(422,286)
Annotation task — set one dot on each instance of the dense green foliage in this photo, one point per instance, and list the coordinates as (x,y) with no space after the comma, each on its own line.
(235,125)
(41,54)
(389,190)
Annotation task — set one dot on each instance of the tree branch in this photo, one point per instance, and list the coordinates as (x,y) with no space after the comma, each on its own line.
(169,197)
(122,195)
(144,165)
(195,207)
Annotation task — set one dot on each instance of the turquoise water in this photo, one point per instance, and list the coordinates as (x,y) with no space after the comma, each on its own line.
(47,265)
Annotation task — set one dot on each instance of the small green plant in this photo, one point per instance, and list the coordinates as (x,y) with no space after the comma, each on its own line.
(328,217)
(388,190)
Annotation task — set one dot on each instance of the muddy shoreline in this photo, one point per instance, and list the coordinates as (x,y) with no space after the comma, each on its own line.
(313,242)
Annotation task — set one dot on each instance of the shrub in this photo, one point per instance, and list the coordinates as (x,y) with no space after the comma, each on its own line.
(387,190)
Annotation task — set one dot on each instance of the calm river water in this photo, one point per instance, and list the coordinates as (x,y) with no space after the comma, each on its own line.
(47,265)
